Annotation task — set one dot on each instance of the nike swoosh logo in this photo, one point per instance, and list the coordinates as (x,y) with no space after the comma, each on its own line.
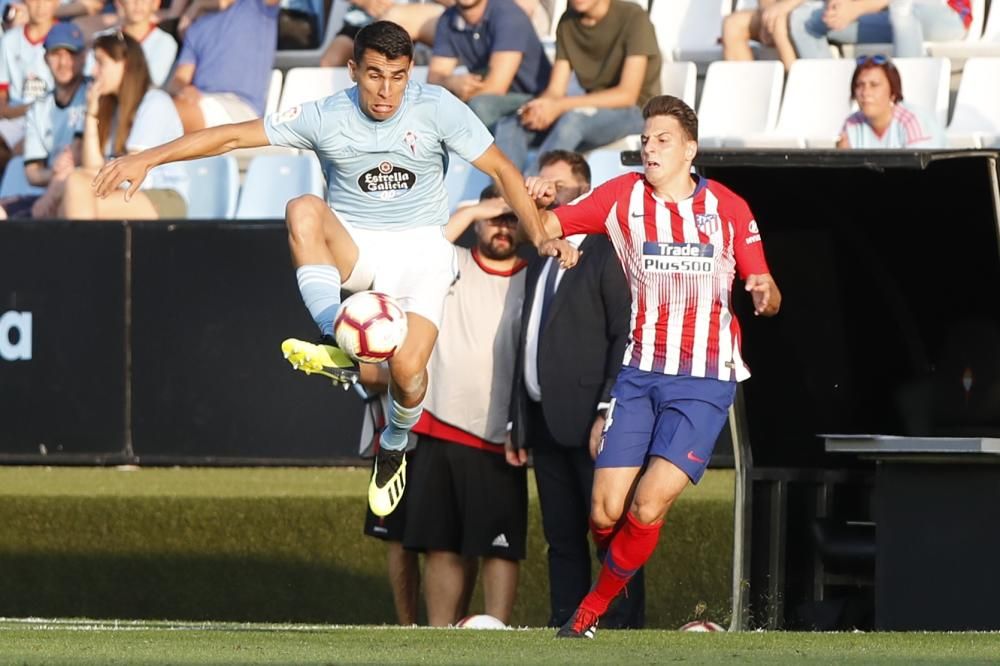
(693,458)
(638,215)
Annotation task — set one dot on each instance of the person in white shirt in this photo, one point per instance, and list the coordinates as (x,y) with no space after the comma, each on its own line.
(24,76)
(125,114)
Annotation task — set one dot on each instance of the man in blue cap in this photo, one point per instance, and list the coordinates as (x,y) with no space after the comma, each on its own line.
(54,124)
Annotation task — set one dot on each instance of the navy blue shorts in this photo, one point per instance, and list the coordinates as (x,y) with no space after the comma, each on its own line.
(677,418)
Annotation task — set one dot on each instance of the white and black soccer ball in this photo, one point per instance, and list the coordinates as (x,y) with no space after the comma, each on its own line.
(481,622)
(702,625)
(370,326)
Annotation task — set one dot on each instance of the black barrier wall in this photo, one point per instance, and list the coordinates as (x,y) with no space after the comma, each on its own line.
(889,265)
(62,336)
(204,308)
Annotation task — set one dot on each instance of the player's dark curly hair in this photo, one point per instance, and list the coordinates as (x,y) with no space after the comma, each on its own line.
(668,105)
(385,37)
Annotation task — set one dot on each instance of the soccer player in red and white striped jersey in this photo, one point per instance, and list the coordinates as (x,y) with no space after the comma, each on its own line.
(681,239)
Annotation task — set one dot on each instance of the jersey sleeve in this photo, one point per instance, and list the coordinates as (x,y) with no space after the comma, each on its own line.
(461,130)
(297,127)
(747,245)
(4,69)
(589,214)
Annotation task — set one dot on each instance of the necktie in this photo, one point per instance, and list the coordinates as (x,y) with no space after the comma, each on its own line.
(548,292)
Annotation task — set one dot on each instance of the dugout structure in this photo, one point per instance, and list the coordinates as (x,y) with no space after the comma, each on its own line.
(889,263)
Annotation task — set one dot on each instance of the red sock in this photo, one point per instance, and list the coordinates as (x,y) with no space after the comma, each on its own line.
(631,546)
(602,535)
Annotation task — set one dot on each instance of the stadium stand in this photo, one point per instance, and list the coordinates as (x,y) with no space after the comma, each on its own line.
(215,187)
(272,180)
(305,84)
(815,104)
(464,182)
(975,122)
(758,86)
(273,92)
(605,165)
(690,29)
(679,79)
(926,84)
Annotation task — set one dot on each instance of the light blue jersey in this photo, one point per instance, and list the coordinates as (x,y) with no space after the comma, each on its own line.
(389,173)
(51,128)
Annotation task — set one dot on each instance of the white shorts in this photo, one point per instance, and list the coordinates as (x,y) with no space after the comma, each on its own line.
(12,131)
(415,266)
(224,108)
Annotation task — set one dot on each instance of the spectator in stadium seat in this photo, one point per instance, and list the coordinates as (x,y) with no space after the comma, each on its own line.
(565,368)
(610,46)
(904,23)
(815,24)
(137,19)
(767,24)
(125,114)
(24,74)
(417,18)
(224,69)
(495,42)
(883,121)
(54,126)
(917,21)
(466,502)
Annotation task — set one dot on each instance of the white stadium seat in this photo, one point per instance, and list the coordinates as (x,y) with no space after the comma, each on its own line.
(926,84)
(976,120)
(680,80)
(605,165)
(690,29)
(756,84)
(273,92)
(305,84)
(214,189)
(272,180)
(817,101)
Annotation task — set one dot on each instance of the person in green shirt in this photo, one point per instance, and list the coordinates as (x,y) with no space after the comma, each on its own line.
(610,46)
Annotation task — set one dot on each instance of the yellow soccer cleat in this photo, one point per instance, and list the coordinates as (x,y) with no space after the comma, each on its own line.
(388,482)
(321,359)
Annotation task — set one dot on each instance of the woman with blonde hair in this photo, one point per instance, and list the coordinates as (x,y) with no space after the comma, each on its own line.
(126,114)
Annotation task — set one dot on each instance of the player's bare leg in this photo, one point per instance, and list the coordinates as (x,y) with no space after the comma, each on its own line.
(404,579)
(444,587)
(633,539)
(500,586)
(324,255)
(407,387)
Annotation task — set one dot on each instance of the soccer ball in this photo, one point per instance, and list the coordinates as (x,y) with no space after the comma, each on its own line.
(481,622)
(370,326)
(702,625)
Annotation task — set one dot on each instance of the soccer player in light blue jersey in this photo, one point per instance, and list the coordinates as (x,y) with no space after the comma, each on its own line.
(383,145)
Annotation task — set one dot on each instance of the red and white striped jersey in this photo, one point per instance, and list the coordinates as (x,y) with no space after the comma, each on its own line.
(680,259)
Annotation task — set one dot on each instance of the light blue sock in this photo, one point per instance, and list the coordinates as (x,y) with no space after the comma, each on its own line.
(401,420)
(319,285)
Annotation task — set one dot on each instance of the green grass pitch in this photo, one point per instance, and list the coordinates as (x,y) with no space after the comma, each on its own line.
(140,643)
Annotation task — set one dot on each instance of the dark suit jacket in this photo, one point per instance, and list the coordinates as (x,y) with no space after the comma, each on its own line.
(580,350)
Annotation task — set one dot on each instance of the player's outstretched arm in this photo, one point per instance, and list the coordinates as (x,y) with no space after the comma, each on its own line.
(509,180)
(203,143)
(765,294)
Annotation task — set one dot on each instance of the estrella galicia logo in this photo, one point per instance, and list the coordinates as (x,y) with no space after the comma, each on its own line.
(387,181)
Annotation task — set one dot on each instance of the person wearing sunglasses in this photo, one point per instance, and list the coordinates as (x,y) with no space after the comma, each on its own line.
(882,119)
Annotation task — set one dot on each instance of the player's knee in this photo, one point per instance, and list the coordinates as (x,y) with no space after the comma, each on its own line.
(303,218)
(407,374)
(605,513)
(648,510)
